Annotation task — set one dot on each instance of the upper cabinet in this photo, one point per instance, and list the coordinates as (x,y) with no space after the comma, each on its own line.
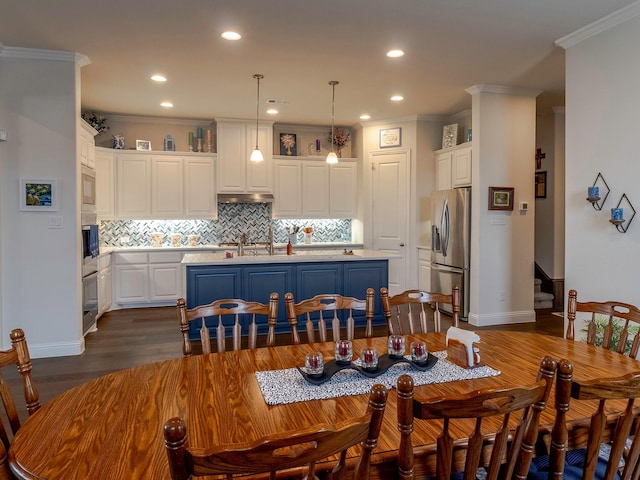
(87,151)
(236,173)
(163,185)
(315,189)
(453,167)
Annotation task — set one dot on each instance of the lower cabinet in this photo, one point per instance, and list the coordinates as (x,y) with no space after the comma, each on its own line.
(148,277)
(105,291)
(304,280)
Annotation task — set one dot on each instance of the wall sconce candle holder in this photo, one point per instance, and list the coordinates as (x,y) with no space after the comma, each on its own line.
(617,214)
(593,192)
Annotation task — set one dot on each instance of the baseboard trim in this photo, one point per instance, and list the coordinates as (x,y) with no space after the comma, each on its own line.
(504,318)
(66,349)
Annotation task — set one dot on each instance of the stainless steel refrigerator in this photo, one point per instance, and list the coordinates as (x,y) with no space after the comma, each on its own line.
(450,244)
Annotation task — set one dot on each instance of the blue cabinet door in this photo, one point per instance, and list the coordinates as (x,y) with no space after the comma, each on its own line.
(206,284)
(316,278)
(358,276)
(258,282)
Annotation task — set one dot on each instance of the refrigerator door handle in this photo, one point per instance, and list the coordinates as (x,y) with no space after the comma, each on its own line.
(445,227)
(435,238)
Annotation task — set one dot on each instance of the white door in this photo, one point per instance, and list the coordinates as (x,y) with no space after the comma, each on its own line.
(390,204)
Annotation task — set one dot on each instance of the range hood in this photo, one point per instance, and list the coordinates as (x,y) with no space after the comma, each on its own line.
(245,198)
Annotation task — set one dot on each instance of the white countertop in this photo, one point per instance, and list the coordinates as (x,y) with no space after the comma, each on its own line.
(298,248)
(219,258)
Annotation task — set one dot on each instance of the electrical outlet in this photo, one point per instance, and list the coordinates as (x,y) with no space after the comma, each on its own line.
(524,206)
(55,222)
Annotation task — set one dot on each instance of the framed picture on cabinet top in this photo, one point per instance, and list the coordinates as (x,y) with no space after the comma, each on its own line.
(143,145)
(288,144)
(501,198)
(38,195)
(541,184)
(390,137)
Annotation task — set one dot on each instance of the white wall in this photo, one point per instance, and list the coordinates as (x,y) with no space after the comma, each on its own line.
(502,242)
(40,267)
(602,104)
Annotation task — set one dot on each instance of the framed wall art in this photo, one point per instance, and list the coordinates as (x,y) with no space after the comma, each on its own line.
(288,144)
(38,195)
(390,137)
(143,145)
(501,198)
(541,184)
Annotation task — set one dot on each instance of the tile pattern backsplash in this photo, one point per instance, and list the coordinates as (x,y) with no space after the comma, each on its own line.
(233,220)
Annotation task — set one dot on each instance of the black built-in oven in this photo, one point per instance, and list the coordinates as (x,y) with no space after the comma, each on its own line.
(90,252)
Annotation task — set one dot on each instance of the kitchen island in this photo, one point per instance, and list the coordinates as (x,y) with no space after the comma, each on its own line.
(212,276)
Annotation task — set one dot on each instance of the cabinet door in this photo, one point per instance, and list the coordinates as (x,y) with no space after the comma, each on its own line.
(443,166)
(232,157)
(343,190)
(288,189)
(133,186)
(314,279)
(200,192)
(315,189)
(165,282)
(358,276)
(108,290)
(105,184)
(167,187)
(131,283)
(259,282)
(461,167)
(259,174)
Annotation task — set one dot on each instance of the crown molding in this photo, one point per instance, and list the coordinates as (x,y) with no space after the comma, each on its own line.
(158,120)
(38,54)
(599,26)
(503,90)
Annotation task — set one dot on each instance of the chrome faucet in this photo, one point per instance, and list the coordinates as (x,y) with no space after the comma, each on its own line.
(270,248)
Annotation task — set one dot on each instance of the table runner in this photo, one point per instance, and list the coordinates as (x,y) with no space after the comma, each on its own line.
(289,386)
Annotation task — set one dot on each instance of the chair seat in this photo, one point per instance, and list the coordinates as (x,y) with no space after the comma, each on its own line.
(573,466)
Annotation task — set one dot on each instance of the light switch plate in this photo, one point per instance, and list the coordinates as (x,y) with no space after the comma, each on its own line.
(524,206)
(55,222)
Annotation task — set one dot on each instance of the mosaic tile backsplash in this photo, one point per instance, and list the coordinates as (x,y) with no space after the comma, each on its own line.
(233,220)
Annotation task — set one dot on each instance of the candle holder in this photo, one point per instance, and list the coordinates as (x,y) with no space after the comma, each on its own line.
(200,145)
(419,352)
(343,351)
(594,192)
(396,346)
(369,358)
(314,364)
(617,214)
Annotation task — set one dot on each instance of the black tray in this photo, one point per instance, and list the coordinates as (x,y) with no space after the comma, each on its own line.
(384,362)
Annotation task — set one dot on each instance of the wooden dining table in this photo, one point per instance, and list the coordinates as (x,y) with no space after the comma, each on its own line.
(112,427)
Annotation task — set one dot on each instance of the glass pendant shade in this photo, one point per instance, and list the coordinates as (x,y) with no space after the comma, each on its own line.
(332,158)
(256,155)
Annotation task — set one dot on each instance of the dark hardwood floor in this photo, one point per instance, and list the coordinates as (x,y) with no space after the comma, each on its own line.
(130,337)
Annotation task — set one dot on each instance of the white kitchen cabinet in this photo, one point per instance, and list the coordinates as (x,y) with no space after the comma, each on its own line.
(287,189)
(461,167)
(167,187)
(315,189)
(87,144)
(305,188)
(236,173)
(133,186)
(453,167)
(105,183)
(160,185)
(131,283)
(199,188)
(105,292)
(165,276)
(424,270)
(343,190)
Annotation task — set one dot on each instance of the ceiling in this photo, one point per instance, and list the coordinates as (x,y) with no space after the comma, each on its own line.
(299,46)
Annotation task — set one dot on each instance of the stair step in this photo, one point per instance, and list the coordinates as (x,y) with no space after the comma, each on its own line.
(542,300)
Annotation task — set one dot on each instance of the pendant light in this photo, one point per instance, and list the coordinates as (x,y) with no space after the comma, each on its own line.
(256,155)
(332,157)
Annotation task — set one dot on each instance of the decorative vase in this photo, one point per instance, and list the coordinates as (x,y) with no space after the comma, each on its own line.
(339,152)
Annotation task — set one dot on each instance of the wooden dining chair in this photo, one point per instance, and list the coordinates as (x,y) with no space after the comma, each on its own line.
(314,309)
(234,311)
(406,313)
(487,415)
(17,355)
(281,451)
(612,444)
(612,325)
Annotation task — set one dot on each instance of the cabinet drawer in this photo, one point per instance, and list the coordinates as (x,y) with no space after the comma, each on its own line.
(165,257)
(104,261)
(130,258)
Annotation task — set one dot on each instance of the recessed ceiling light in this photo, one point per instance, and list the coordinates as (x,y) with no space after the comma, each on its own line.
(397,98)
(395,53)
(365,117)
(158,78)
(166,104)
(272,111)
(231,36)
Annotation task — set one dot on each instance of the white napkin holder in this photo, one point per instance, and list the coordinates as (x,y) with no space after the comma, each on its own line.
(461,349)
